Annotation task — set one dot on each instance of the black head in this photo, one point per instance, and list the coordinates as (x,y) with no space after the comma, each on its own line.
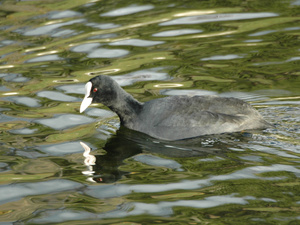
(100,89)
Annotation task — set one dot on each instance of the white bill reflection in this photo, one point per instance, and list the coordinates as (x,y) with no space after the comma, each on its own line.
(89,161)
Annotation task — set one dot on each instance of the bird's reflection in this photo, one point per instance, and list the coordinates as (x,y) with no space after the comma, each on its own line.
(89,161)
(128,143)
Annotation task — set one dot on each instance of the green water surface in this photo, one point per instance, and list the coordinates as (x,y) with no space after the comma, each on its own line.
(49,49)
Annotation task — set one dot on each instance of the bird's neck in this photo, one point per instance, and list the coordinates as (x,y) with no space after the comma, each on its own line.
(127,107)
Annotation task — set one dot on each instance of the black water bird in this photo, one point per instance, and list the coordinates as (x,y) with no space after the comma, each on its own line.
(174,117)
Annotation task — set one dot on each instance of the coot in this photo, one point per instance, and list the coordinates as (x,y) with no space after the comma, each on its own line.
(174,117)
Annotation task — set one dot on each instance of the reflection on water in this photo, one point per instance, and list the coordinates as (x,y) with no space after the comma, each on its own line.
(127,10)
(64,121)
(127,143)
(172,33)
(217,18)
(137,42)
(243,49)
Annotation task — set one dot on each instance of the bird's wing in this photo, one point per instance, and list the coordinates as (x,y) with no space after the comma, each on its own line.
(194,116)
(177,126)
(198,119)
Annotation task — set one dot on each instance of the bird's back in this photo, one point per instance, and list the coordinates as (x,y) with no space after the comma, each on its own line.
(179,117)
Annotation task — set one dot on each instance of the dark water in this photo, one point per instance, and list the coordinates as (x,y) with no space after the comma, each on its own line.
(49,49)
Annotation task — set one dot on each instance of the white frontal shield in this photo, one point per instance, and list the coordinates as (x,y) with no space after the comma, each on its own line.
(87,100)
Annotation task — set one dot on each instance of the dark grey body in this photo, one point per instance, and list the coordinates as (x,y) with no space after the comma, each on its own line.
(177,117)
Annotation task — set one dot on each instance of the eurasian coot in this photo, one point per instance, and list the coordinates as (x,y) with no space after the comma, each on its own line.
(174,117)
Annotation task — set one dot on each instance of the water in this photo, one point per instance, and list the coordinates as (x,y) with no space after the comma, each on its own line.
(49,49)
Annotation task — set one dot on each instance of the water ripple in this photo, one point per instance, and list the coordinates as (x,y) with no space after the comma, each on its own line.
(64,14)
(136,42)
(107,53)
(14,192)
(57,96)
(65,121)
(173,33)
(47,29)
(127,10)
(110,191)
(218,18)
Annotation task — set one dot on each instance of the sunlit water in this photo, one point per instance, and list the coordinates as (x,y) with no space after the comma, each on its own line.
(244,49)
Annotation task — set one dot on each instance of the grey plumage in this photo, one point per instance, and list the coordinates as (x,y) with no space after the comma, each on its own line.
(177,117)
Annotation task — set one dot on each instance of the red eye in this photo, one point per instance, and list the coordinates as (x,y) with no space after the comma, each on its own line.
(95,90)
